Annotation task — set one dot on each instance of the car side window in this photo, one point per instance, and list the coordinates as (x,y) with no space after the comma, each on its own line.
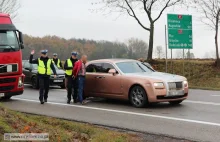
(107,67)
(26,65)
(93,68)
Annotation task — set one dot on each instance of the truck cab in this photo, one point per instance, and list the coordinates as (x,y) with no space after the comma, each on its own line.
(11,43)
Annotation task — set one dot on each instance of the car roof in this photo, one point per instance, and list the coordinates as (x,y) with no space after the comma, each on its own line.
(111,60)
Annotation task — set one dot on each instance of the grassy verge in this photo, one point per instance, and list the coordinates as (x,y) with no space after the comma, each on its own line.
(59,130)
(201,74)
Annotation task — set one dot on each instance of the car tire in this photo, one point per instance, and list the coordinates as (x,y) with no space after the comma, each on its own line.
(138,97)
(175,102)
(34,83)
(62,86)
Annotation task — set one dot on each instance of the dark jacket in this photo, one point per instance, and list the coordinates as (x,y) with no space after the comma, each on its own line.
(69,68)
(56,61)
(35,61)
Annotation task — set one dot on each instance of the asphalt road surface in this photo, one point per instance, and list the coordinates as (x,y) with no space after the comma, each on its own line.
(197,118)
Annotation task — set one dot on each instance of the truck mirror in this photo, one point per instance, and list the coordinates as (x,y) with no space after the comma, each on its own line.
(21,39)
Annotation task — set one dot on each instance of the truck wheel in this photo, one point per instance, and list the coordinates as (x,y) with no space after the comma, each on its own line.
(175,102)
(138,97)
(34,83)
(6,97)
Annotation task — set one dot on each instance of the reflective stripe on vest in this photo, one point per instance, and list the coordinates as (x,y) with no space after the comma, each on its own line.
(69,64)
(42,68)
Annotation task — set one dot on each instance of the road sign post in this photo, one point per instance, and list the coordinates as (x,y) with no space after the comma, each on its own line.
(166,45)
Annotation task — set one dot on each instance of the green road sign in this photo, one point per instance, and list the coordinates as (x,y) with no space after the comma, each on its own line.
(179,31)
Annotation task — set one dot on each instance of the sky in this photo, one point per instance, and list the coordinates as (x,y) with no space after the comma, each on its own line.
(74,19)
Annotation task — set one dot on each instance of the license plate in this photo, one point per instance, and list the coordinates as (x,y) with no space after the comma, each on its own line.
(2,94)
(58,81)
(176,93)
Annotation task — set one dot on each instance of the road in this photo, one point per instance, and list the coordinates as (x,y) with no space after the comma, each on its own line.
(197,118)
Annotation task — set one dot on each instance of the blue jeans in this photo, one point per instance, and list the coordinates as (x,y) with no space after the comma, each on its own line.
(81,84)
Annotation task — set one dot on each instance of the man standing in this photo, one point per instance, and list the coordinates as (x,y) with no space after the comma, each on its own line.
(71,83)
(79,72)
(57,61)
(44,71)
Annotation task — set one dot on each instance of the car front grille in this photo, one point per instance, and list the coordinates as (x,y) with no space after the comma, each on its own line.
(175,85)
(5,68)
(6,88)
(58,77)
(7,80)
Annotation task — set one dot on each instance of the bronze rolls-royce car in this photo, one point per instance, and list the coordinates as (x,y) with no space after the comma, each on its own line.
(134,81)
(30,72)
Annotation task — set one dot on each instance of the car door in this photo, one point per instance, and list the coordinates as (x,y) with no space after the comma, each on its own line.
(111,84)
(92,87)
(27,72)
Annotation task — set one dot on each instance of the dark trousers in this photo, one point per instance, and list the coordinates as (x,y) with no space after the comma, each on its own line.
(81,84)
(44,84)
(72,88)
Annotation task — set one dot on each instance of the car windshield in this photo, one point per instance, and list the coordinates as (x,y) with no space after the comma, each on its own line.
(8,41)
(133,67)
(35,66)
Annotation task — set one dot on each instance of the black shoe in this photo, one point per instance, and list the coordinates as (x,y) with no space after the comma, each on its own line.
(42,102)
(45,100)
(68,102)
(74,101)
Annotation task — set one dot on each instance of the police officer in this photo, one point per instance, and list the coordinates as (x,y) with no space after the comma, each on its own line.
(44,71)
(57,61)
(71,84)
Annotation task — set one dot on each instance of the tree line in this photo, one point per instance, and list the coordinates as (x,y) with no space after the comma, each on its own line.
(132,49)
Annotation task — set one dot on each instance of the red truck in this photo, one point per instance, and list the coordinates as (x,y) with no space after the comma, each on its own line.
(11,43)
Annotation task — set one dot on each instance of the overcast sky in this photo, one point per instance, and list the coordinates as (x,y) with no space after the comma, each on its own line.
(73,19)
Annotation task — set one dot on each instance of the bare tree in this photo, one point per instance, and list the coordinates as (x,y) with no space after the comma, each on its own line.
(10,7)
(159,51)
(137,48)
(210,10)
(133,7)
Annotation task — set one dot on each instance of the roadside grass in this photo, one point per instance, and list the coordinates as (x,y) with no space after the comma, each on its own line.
(201,74)
(59,130)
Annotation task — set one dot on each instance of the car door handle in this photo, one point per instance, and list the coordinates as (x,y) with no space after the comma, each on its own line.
(100,77)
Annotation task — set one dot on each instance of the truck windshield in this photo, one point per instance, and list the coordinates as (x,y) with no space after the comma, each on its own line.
(8,41)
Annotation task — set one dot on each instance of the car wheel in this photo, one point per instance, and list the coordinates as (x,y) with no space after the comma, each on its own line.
(62,86)
(34,83)
(175,102)
(138,97)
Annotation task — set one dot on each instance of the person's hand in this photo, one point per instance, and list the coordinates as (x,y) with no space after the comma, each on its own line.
(73,77)
(32,52)
(55,76)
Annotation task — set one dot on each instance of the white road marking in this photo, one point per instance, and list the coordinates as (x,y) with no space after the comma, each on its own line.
(201,102)
(215,95)
(131,113)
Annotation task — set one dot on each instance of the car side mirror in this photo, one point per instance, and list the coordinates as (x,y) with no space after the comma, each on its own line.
(112,71)
(27,68)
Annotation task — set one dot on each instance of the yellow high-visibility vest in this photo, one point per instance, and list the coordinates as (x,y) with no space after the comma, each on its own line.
(69,64)
(42,68)
(58,63)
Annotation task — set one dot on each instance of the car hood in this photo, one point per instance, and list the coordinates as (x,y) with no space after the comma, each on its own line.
(165,77)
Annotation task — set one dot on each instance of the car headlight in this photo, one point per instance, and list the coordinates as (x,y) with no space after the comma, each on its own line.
(159,85)
(185,83)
